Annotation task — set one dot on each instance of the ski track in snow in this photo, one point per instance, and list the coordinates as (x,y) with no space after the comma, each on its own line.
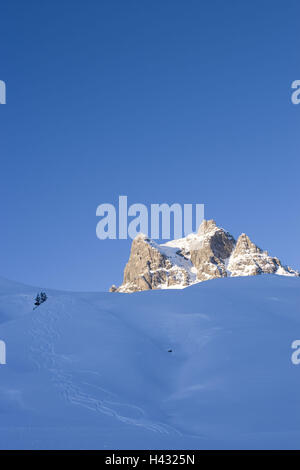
(45,333)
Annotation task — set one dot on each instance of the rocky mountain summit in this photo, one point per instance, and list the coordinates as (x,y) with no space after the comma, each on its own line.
(208,254)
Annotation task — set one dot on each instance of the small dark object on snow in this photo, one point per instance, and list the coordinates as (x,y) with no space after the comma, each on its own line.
(40,298)
(37,300)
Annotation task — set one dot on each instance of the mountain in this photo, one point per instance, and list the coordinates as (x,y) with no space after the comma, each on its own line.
(207,367)
(209,254)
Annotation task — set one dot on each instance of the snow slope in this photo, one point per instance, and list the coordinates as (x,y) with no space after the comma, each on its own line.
(94,371)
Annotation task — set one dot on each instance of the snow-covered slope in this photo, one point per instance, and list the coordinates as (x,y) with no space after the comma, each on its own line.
(95,371)
(210,253)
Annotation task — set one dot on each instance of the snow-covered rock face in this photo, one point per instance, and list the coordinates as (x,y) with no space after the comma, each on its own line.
(152,266)
(209,258)
(209,254)
(248,259)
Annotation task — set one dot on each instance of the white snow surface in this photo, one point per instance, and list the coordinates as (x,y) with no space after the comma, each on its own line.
(192,241)
(93,371)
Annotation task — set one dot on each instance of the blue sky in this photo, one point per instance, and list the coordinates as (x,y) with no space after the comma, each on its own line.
(163,101)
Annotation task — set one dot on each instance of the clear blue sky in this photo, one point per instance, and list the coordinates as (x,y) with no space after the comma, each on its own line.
(163,101)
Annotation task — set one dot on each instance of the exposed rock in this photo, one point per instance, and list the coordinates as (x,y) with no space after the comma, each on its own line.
(215,247)
(152,267)
(209,254)
(248,259)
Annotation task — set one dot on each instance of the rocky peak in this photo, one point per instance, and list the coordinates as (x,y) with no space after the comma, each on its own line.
(248,259)
(210,253)
(207,226)
(151,266)
(245,245)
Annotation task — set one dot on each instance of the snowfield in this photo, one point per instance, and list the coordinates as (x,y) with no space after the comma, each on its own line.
(94,371)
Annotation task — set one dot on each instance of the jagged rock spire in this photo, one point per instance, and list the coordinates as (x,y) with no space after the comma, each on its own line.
(206,226)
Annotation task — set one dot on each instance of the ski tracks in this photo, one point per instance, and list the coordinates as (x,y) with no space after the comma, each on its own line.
(45,333)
